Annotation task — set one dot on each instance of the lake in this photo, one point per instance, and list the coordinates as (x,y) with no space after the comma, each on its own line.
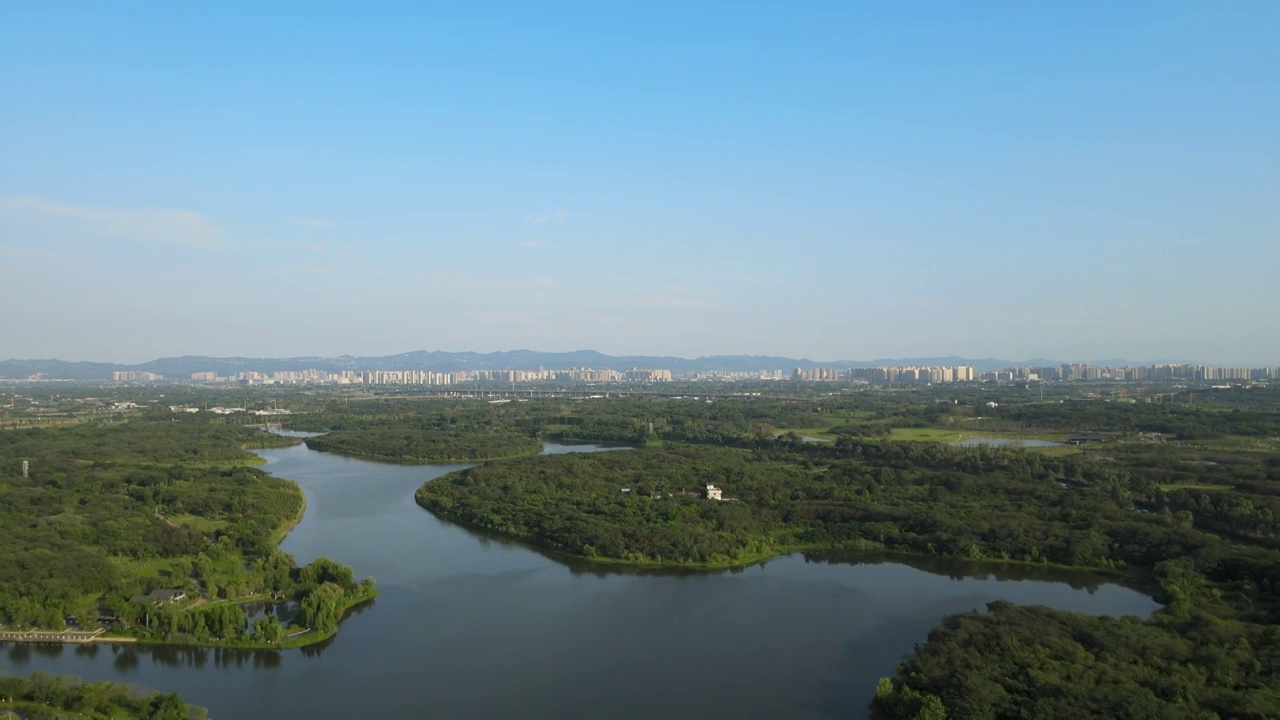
(468,626)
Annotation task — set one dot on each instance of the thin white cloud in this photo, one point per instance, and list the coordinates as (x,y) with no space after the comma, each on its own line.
(539,245)
(437,277)
(555,218)
(313,222)
(172,227)
(320,248)
(665,302)
(311,269)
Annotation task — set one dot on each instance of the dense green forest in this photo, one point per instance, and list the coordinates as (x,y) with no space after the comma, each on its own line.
(412,442)
(1184,422)
(973,503)
(748,421)
(416,432)
(575,503)
(52,697)
(111,512)
(1034,662)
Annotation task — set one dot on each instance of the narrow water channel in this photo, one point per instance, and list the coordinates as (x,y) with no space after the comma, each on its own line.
(468,626)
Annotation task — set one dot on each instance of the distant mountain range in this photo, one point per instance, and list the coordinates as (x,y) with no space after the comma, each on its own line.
(180,368)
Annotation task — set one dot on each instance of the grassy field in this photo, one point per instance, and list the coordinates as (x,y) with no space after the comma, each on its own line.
(942,434)
(947,435)
(931,435)
(173,571)
(1233,444)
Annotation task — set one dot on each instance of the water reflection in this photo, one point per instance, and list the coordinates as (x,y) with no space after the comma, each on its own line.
(49,650)
(956,569)
(88,650)
(126,660)
(315,650)
(19,653)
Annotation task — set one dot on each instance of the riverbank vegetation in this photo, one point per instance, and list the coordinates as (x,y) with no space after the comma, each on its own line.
(155,530)
(50,697)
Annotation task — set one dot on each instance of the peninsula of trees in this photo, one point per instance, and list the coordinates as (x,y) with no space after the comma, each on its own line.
(157,530)
(50,697)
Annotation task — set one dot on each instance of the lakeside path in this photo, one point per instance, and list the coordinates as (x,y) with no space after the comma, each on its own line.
(79,637)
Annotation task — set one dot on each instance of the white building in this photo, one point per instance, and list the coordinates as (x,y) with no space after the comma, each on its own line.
(714,493)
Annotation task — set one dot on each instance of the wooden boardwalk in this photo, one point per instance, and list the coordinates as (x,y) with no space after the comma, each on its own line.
(55,636)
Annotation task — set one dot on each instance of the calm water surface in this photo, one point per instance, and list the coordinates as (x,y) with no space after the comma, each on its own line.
(473,627)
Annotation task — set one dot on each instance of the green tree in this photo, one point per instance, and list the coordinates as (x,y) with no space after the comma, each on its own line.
(168,706)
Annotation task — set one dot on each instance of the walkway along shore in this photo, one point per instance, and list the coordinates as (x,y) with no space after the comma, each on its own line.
(79,637)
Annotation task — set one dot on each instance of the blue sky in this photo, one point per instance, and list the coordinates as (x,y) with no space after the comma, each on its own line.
(835,180)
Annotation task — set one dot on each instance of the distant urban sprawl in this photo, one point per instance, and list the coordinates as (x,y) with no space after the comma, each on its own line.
(880,375)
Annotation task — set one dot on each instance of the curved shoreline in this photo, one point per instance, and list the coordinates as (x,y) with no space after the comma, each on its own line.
(283,531)
(302,637)
(1130,577)
(402,460)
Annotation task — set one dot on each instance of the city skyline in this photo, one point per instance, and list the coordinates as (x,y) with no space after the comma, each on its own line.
(418,369)
(875,374)
(1075,181)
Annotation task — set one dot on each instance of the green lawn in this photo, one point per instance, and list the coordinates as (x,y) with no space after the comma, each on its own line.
(173,571)
(947,435)
(932,435)
(1233,443)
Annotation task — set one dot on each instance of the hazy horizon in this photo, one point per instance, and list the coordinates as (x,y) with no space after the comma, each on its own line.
(788,356)
(830,182)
